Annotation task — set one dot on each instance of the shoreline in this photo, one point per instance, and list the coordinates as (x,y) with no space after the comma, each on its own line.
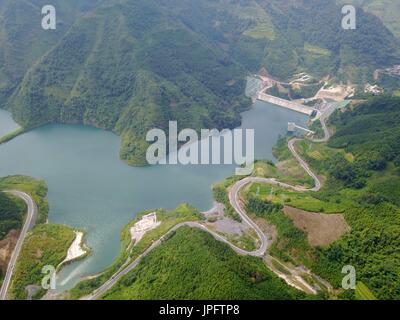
(78,250)
(211,207)
(10,136)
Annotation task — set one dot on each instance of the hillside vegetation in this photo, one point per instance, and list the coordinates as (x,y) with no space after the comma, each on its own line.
(360,184)
(363,182)
(387,10)
(45,245)
(371,132)
(193,265)
(12,211)
(37,189)
(23,42)
(129,66)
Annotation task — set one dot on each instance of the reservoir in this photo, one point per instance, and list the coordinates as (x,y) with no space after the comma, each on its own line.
(7,124)
(90,188)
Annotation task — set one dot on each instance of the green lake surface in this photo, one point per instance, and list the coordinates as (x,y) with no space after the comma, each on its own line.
(90,188)
(7,124)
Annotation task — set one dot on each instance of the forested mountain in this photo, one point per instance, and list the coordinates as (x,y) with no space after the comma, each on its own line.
(130,65)
(371,133)
(387,10)
(196,266)
(11,214)
(292,35)
(22,39)
(352,54)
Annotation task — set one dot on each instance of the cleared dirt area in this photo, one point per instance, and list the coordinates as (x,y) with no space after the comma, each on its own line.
(217,221)
(7,246)
(336,93)
(321,229)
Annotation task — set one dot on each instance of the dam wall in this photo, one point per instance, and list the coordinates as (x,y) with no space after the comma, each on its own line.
(286,104)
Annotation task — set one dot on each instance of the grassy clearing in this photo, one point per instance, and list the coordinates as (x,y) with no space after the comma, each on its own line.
(261,31)
(315,50)
(46,244)
(363,293)
(302,200)
(288,170)
(246,241)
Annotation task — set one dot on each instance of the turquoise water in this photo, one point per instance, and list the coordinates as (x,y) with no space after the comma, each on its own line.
(91,189)
(7,125)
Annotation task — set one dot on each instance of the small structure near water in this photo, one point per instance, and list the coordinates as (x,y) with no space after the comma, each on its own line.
(147,223)
(293,126)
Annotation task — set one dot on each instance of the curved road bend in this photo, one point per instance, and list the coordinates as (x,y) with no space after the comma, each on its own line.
(114,279)
(234,200)
(29,223)
(327,133)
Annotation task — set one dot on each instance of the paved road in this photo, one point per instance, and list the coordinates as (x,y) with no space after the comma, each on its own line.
(327,134)
(116,277)
(234,199)
(304,165)
(29,223)
(236,204)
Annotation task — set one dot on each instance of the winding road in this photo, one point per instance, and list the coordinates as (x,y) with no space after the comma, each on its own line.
(234,199)
(114,279)
(327,133)
(29,223)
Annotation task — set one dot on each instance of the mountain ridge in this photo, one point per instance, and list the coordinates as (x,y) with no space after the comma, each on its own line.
(127,66)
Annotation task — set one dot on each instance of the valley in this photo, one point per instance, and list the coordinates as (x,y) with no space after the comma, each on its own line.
(82,201)
(84,207)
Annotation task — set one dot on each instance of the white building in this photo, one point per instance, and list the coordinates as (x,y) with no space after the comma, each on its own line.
(291,126)
(147,222)
(373,89)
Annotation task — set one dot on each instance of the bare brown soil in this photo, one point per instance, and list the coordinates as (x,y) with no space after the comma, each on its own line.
(7,246)
(336,93)
(321,229)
